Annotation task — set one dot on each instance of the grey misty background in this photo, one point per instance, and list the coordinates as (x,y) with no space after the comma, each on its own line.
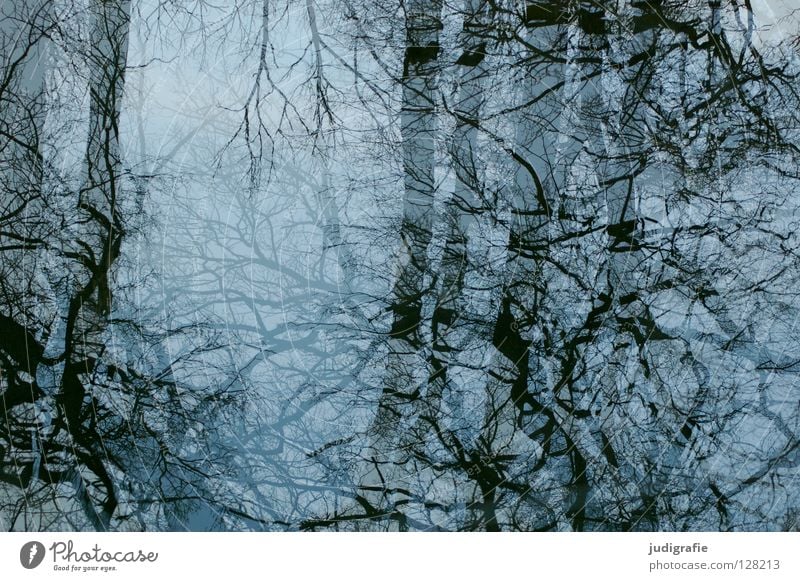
(405,265)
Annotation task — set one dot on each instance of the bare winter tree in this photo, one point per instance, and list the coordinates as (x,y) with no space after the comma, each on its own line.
(351,265)
(95,424)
